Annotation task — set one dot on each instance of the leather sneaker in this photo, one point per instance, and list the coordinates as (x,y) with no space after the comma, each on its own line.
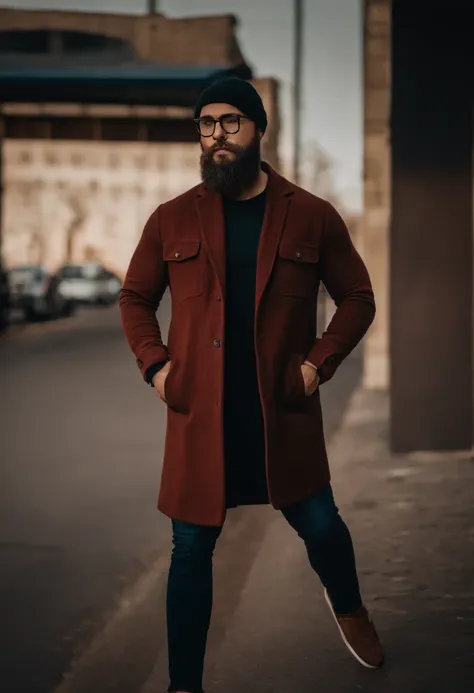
(359,635)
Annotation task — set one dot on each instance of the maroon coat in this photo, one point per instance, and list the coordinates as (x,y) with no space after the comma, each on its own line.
(304,242)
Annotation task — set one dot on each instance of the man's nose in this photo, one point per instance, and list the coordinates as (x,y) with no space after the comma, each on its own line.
(219,132)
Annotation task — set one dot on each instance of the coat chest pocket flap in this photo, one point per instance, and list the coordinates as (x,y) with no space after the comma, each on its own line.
(297,268)
(181,249)
(184,267)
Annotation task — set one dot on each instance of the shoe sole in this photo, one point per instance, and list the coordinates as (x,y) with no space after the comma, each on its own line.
(344,639)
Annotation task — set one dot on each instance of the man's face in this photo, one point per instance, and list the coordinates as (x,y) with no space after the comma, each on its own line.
(230,159)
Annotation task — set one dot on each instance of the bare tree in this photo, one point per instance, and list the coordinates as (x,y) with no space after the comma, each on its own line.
(37,247)
(91,254)
(77,206)
(319,168)
(36,238)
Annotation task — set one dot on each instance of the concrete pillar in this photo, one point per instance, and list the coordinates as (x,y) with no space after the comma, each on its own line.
(431,292)
(375,223)
(267,87)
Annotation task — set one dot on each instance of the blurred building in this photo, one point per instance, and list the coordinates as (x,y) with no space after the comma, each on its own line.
(97,128)
(417,235)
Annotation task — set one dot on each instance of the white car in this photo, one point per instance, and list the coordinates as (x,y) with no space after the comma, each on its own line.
(89,283)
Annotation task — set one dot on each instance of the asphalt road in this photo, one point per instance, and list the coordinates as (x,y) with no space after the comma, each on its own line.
(83,550)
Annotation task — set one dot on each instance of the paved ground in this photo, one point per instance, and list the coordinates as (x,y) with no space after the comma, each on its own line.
(78,487)
(84,554)
(412,519)
(83,551)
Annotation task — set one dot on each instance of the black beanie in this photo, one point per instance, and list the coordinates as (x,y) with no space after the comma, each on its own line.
(237,92)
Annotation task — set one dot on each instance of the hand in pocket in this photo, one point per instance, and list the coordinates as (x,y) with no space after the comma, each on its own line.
(159,381)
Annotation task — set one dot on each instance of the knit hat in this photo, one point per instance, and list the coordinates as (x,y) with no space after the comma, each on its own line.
(237,92)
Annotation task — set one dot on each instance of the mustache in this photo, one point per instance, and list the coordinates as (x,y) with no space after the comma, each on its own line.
(224,145)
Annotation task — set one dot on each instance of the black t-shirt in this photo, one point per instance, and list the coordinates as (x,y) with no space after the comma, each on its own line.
(243,422)
(243,226)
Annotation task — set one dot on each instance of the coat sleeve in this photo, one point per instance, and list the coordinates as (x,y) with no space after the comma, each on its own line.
(347,281)
(143,288)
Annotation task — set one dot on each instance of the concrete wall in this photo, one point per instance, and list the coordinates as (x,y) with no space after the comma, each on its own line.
(373,239)
(99,193)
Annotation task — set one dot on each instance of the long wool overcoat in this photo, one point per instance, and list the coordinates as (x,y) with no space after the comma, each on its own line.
(304,242)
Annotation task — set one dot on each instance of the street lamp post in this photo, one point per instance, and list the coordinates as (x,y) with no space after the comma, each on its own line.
(298,49)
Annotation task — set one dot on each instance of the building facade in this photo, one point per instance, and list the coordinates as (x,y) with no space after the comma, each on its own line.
(80,179)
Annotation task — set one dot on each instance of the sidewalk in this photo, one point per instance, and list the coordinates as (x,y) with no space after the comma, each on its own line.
(412,521)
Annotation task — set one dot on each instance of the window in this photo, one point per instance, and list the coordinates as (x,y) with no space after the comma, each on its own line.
(46,41)
(21,41)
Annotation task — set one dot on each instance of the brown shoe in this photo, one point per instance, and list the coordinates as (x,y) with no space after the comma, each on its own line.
(359,635)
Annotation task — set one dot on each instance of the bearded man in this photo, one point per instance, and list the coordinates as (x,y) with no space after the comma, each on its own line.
(244,254)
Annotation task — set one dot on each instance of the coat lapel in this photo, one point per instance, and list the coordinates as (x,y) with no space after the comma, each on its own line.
(211,220)
(279,193)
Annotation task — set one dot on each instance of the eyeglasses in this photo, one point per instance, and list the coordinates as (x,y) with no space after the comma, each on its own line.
(229,122)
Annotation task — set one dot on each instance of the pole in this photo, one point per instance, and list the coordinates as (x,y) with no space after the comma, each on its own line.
(152,6)
(298,49)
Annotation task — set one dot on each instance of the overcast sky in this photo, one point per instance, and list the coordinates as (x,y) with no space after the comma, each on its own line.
(332,76)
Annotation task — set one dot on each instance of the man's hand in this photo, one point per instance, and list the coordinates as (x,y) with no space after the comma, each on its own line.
(310,377)
(159,381)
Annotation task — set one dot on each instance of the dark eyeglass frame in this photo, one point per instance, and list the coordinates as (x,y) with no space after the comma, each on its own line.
(219,120)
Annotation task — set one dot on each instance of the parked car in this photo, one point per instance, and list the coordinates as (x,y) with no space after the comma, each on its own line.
(89,283)
(34,291)
(4,299)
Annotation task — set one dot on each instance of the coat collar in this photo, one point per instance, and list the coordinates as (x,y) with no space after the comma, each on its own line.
(211,219)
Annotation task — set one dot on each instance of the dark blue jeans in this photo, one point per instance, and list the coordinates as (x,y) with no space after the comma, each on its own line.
(189,595)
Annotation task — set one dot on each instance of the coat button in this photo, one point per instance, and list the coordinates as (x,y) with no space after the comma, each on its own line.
(217,342)
(298,254)
(177,254)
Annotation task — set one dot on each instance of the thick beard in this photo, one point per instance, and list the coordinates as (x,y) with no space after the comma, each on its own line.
(232,177)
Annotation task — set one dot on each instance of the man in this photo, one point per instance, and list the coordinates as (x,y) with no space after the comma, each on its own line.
(243,254)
